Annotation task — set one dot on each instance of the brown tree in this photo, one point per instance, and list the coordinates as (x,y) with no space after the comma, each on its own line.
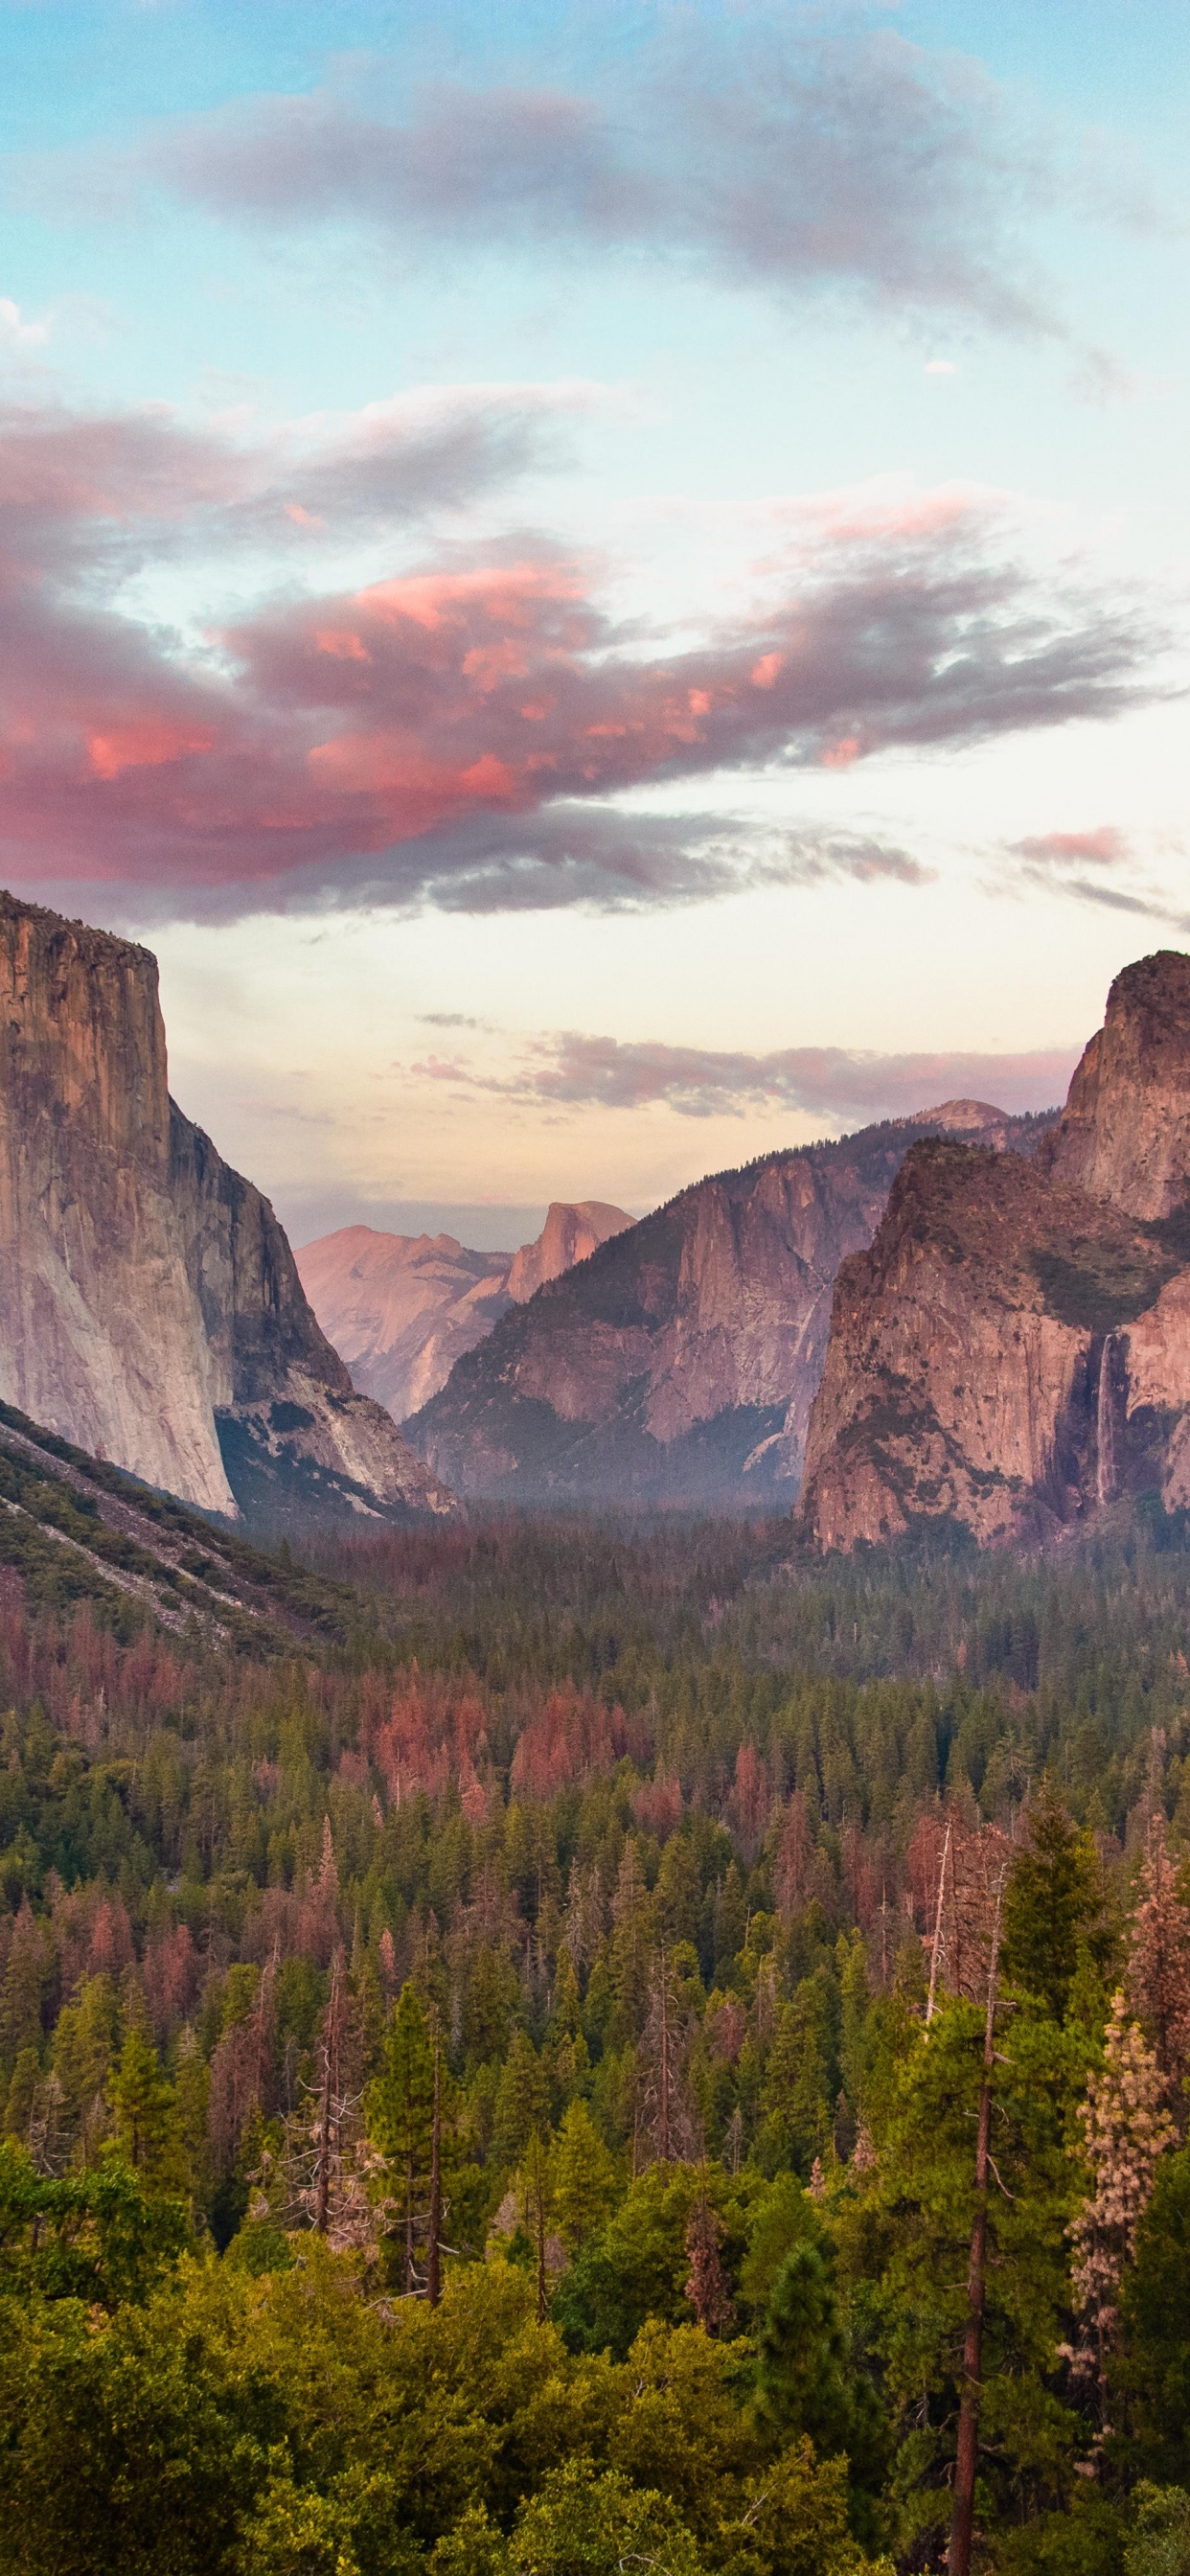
(1159,1972)
(1127,2128)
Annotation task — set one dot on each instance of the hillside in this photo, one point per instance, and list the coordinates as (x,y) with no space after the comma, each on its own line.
(75,1530)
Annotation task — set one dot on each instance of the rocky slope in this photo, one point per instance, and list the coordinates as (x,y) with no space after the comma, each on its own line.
(150,1309)
(679,1362)
(75,1528)
(1013,1351)
(402,1308)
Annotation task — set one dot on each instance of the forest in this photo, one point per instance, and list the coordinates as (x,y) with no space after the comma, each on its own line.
(630,2049)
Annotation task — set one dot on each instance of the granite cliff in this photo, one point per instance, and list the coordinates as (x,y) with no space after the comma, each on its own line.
(150,1309)
(573,1230)
(678,1363)
(402,1308)
(1013,1350)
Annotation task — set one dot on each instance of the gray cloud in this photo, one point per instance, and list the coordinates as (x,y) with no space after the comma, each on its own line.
(95,492)
(765,152)
(573,1070)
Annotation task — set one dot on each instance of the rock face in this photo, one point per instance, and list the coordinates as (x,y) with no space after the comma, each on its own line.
(402,1308)
(572,1232)
(150,1309)
(679,1362)
(1124,1134)
(1013,1351)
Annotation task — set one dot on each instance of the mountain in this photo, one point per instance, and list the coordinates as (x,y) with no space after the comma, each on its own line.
(402,1308)
(572,1232)
(678,1363)
(1013,1350)
(150,1309)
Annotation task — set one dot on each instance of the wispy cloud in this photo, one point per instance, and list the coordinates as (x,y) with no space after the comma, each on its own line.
(572,1070)
(16,331)
(1100,864)
(765,152)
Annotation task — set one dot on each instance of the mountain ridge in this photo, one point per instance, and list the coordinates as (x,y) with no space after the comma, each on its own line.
(677,1364)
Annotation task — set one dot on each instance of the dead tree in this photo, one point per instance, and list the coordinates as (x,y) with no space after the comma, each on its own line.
(966,2458)
(434,2248)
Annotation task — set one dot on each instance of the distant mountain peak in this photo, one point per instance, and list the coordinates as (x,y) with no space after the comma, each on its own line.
(402,1308)
(961,1115)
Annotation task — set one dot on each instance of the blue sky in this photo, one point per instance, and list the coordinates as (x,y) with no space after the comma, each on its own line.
(606,584)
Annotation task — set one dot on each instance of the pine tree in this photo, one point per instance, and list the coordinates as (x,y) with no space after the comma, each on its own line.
(399,2113)
(583,2178)
(631,1942)
(83,2054)
(794,2096)
(191,2093)
(22,1990)
(665,2116)
(522,2103)
(853,2047)
(1052,1904)
(22,2097)
(801,2355)
(535,2182)
(1150,2368)
(144,2109)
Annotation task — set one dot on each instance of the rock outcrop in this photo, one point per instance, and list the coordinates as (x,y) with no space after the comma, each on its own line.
(150,1309)
(402,1308)
(1013,1350)
(679,1362)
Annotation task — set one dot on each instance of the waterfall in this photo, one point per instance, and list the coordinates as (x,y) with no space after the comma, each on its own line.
(1105,1427)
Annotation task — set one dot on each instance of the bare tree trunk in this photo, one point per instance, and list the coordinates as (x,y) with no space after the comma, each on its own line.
(938,1929)
(663,2126)
(326,2101)
(962,2529)
(434,2255)
(539,2197)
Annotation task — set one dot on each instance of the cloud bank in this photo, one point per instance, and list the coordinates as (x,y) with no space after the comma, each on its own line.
(458,733)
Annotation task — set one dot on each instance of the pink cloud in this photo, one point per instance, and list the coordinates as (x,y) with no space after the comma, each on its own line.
(323,732)
(1104,847)
(574,1070)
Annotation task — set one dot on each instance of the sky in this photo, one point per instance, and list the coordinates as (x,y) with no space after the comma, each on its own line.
(605,584)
